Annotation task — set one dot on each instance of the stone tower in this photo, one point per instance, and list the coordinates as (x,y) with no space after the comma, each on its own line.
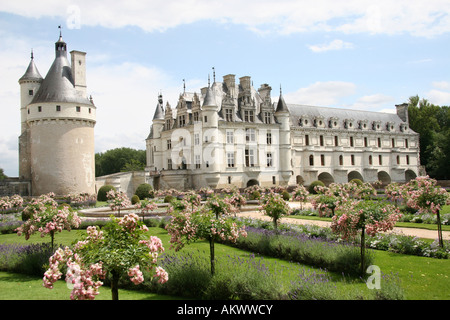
(56,145)
(283,117)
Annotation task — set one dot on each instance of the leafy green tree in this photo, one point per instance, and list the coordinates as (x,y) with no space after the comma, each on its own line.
(432,123)
(2,174)
(118,160)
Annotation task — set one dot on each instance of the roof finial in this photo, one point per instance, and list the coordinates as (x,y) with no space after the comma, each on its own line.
(60,31)
(32,56)
(214,74)
(208,81)
(280,89)
(184,86)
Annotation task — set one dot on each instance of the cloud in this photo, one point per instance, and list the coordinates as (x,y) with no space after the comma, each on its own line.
(321,93)
(333,45)
(126,96)
(374,102)
(420,18)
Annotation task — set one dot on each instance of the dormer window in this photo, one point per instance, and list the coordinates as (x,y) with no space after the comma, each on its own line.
(30,92)
(228,115)
(267,118)
(248,116)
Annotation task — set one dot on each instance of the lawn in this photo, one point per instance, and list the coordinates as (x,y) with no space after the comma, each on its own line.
(421,278)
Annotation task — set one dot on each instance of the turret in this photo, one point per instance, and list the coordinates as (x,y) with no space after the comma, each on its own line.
(30,83)
(56,149)
(158,118)
(283,117)
(210,124)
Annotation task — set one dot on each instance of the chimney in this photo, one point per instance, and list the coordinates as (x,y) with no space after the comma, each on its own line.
(402,111)
(78,60)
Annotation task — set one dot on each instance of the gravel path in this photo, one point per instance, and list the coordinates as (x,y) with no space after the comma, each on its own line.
(421,233)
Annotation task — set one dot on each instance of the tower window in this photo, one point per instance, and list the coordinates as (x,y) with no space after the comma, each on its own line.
(58,108)
(39,109)
(78,109)
(269,159)
(30,92)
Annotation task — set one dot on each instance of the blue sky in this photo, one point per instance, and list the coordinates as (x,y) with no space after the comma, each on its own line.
(344,54)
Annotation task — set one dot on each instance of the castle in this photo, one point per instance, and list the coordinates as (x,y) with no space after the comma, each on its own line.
(232,135)
(56,143)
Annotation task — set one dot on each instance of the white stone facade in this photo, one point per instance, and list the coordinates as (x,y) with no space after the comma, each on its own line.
(56,145)
(231,134)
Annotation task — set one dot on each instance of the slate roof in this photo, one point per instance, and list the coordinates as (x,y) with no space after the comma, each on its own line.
(58,85)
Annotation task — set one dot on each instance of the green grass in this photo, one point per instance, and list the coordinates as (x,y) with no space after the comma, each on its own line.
(422,278)
(15,286)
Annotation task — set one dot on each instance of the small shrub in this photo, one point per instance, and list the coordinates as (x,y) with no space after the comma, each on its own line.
(286,195)
(358,182)
(144,191)
(135,199)
(101,195)
(169,199)
(255,195)
(314,184)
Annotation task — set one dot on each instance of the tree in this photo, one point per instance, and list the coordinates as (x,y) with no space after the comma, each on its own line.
(2,174)
(121,247)
(425,195)
(119,159)
(300,194)
(210,221)
(432,123)
(117,200)
(275,207)
(45,216)
(364,216)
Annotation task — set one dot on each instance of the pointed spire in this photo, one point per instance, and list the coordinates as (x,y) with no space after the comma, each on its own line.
(159,111)
(281,106)
(209,100)
(32,72)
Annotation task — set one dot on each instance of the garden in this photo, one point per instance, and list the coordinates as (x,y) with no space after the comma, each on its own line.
(203,249)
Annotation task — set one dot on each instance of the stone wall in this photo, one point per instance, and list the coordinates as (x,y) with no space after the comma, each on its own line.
(12,186)
(122,181)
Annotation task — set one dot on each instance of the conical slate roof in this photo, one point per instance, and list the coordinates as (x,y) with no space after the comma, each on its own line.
(209,100)
(281,106)
(58,85)
(32,72)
